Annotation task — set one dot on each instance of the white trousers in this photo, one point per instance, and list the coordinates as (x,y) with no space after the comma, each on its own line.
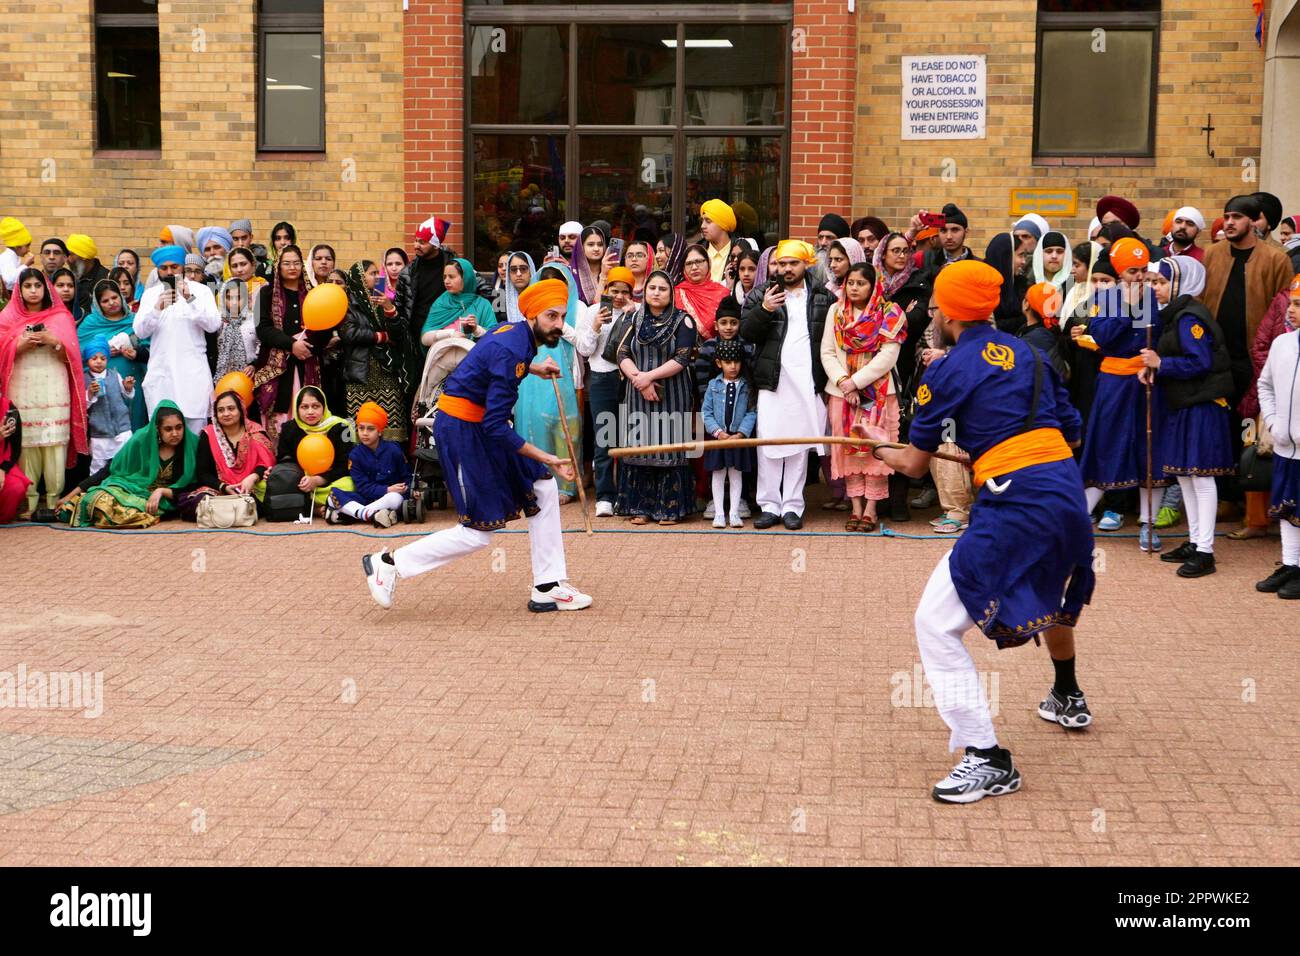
(1201,502)
(545,540)
(780,483)
(1093,495)
(941,620)
(720,479)
(1290,543)
(391,501)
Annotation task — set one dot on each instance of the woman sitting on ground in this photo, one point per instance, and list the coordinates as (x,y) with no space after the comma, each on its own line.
(312,417)
(139,487)
(233,456)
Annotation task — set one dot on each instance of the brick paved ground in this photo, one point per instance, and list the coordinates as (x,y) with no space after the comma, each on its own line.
(673,723)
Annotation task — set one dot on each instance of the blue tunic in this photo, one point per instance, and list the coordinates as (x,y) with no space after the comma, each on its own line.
(490,482)
(1025,562)
(1115,450)
(373,471)
(1286,490)
(1196,440)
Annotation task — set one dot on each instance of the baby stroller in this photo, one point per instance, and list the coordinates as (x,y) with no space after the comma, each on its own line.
(427,482)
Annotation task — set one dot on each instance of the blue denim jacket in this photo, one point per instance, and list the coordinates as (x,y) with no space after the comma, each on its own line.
(714,409)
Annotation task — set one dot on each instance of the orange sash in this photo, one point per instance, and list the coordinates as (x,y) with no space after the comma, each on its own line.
(1034,447)
(461,408)
(1122,366)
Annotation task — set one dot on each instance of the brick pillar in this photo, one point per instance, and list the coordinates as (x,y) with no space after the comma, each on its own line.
(433,116)
(821,124)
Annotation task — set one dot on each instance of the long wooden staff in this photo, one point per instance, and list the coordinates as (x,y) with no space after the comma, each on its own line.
(701,446)
(1150,514)
(577,465)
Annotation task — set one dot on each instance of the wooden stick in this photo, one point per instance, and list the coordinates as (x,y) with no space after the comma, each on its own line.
(573,459)
(1151,529)
(702,446)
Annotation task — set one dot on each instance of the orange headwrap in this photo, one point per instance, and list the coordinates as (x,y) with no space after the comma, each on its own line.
(1129,253)
(540,296)
(374,414)
(1045,299)
(621,274)
(794,249)
(1167,226)
(1295,288)
(968,290)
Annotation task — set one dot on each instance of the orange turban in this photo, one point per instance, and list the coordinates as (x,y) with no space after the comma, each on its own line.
(1295,288)
(1129,253)
(1045,299)
(968,290)
(374,414)
(794,249)
(540,296)
(1167,226)
(621,274)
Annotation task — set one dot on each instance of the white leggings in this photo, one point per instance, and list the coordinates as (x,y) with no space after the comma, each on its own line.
(545,539)
(1201,502)
(1094,495)
(941,620)
(391,501)
(1290,544)
(720,479)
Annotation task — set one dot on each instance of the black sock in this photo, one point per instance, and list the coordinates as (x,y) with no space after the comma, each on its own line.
(546,587)
(386,556)
(1065,683)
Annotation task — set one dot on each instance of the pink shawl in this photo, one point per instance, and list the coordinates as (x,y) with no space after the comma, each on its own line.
(13,322)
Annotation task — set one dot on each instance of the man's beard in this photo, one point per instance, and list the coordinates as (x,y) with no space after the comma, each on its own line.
(549,339)
(1181,237)
(946,336)
(79,268)
(790,281)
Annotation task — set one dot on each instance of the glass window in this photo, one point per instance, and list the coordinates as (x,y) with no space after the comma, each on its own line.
(126,87)
(293,99)
(292,6)
(518,195)
(744,170)
(627,181)
(502,92)
(627,74)
(1070,121)
(139,7)
(735,75)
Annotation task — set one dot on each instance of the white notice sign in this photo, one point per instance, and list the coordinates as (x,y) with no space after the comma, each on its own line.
(944,97)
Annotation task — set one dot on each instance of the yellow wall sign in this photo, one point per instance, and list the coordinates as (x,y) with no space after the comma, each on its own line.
(1045,202)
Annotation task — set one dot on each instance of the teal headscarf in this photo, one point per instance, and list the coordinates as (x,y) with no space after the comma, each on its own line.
(450,306)
(96,325)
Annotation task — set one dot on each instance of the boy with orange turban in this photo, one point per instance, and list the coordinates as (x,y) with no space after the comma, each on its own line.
(378,471)
(1024,566)
(1115,452)
(493,475)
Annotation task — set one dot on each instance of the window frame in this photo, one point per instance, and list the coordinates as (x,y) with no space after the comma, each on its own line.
(135,21)
(683,16)
(279,23)
(1058,21)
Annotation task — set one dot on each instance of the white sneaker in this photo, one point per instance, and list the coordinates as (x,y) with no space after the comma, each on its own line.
(719,521)
(744,509)
(604,509)
(385,517)
(737,521)
(381,577)
(563,597)
(708,511)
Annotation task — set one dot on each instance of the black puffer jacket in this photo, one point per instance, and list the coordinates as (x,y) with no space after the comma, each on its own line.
(766,330)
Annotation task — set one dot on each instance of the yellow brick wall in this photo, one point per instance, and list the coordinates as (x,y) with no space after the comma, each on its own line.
(1208,63)
(208,172)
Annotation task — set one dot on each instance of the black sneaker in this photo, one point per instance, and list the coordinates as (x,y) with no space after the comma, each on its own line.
(1274,582)
(1291,590)
(980,774)
(44,516)
(1070,712)
(1198,565)
(1180,553)
(766,520)
(791,521)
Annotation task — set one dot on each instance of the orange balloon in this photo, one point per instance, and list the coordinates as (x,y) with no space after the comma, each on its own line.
(324,307)
(240,384)
(315,454)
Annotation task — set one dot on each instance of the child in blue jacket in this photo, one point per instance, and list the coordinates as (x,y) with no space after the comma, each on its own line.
(728,412)
(378,471)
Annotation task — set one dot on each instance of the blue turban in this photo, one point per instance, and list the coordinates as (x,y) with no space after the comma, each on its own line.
(208,233)
(168,254)
(94,347)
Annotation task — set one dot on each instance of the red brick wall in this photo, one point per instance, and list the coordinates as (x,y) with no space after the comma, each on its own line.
(823,103)
(434,121)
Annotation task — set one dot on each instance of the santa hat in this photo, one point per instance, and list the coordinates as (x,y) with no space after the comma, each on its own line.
(433,231)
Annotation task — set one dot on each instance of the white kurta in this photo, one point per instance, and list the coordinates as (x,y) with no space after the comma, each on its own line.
(794,409)
(178,352)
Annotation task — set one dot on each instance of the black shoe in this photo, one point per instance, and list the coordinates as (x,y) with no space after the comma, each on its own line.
(899,492)
(766,520)
(791,521)
(1180,553)
(1275,581)
(43,516)
(1198,565)
(1070,712)
(1291,590)
(980,774)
